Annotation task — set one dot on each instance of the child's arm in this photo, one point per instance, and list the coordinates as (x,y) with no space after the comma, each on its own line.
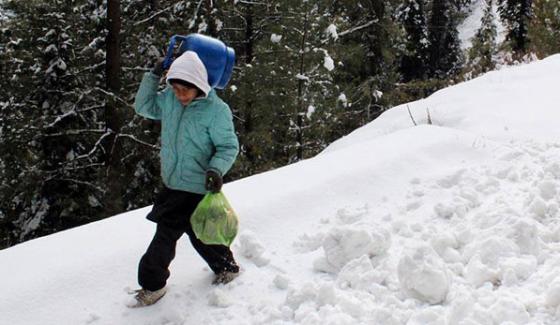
(148,102)
(225,140)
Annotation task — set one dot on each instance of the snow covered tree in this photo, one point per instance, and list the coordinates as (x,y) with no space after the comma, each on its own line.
(544,29)
(368,52)
(517,15)
(50,114)
(484,47)
(412,16)
(461,4)
(445,55)
(308,80)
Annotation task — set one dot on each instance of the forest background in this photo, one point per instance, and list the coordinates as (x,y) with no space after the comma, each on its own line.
(72,150)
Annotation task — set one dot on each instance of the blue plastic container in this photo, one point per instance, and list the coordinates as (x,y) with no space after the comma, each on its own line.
(218,58)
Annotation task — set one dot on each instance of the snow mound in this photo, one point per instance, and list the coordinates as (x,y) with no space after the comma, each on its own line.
(251,248)
(424,276)
(343,244)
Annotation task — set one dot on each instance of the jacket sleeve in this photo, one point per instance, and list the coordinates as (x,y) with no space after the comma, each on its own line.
(148,102)
(222,134)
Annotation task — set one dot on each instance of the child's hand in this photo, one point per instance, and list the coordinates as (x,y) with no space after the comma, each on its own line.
(214,181)
(158,68)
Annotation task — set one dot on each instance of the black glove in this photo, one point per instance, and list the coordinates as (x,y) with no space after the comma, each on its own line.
(214,181)
(158,69)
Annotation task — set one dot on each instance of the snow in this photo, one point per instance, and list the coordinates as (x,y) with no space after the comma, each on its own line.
(310,111)
(344,244)
(343,99)
(454,222)
(377,94)
(329,63)
(331,32)
(300,76)
(423,275)
(275,38)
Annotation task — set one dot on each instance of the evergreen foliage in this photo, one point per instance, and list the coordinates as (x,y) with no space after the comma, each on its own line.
(445,56)
(516,14)
(484,48)
(414,63)
(544,29)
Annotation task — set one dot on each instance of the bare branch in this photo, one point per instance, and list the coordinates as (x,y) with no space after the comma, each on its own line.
(90,108)
(112,95)
(136,69)
(93,165)
(74,132)
(252,3)
(133,138)
(78,182)
(71,112)
(239,118)
(154,15)
(97,145)
(61,117)
(357,28)
(91,67)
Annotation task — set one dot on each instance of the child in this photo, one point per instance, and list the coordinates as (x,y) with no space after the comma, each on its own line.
(198,146)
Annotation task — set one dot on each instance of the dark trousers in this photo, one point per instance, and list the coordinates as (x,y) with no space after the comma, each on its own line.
(172,210)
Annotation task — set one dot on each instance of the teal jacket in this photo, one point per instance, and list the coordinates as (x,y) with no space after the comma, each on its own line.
(194,138)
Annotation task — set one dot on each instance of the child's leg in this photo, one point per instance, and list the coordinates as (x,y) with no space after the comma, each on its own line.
(219,257)
(153,270)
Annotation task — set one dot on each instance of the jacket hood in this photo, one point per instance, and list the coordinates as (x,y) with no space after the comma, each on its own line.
(189,67)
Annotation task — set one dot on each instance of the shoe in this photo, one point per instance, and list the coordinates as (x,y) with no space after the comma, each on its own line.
(145,297)
(225,277)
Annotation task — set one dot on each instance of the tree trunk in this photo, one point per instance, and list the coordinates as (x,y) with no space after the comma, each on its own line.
(114,119)
(154,4)
(300,106)
(248,49)
(113,63)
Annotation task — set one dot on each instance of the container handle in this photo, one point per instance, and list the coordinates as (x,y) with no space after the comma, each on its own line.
(169,55)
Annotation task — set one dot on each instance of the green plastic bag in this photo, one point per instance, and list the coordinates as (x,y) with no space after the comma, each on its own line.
(214,222)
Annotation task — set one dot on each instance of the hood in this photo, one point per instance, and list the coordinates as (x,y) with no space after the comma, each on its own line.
(189,67)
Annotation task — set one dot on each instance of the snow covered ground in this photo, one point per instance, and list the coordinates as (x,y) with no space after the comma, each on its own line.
(454,222)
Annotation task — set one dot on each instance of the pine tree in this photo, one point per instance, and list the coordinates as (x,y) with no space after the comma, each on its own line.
(517,15)
(368,52)
(411,14)
(48,125)
(445,55)
(544,29)
(256,91)
(484,47)
(461,4)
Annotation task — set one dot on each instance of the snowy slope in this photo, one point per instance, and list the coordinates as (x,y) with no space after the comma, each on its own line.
(449,223)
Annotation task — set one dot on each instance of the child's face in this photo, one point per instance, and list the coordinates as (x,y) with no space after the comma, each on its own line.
(184,95)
